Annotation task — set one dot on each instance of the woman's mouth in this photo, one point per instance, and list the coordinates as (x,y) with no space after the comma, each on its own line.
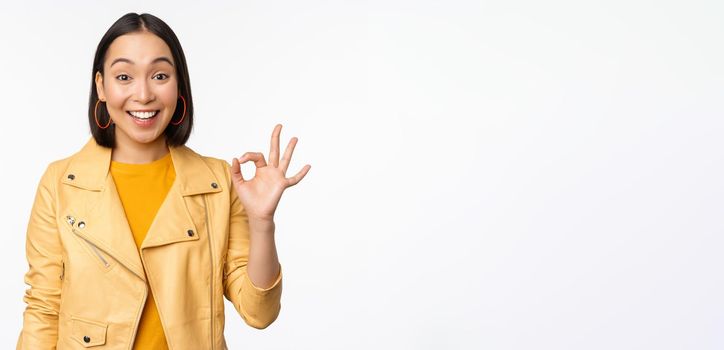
(143,118)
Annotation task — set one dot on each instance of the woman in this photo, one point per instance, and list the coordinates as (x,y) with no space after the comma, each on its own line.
(135,240)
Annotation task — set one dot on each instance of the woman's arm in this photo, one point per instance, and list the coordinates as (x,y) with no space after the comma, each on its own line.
(259,307)
(45,270)
(263,264)
(251,237)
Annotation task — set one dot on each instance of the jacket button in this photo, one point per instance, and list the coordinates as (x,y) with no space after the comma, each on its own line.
(190,233)
(71,176)
(86,339)
(81,224)
(214,185)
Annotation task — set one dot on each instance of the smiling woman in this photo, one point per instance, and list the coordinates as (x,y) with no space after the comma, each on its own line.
(135,240)
(140,92)
(140,79)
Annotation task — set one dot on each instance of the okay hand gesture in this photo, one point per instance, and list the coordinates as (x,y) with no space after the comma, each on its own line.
(261,194)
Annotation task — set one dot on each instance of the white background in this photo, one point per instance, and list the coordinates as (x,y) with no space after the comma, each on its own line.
(485,175)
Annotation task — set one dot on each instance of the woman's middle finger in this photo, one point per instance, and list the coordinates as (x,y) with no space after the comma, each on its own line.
(274,152)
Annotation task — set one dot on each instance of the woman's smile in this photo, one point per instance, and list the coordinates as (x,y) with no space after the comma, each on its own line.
(143,117)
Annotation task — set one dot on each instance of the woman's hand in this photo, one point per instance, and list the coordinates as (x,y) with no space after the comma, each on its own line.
(260,195)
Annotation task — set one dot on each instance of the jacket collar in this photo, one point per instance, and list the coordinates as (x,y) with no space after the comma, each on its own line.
(90,166)
(89,169)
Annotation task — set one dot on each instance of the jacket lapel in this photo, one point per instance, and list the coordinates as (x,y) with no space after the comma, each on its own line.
(174,218)
(105,220)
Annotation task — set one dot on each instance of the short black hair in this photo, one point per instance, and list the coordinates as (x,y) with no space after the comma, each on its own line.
(176,135)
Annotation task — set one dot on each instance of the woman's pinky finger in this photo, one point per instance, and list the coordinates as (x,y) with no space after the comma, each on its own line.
(299,176)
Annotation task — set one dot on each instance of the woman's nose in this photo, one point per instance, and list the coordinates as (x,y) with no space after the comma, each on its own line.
(143,92)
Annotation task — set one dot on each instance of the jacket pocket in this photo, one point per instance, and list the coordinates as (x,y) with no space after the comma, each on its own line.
(103,260)
(91,248)
(88,333)
(97,253)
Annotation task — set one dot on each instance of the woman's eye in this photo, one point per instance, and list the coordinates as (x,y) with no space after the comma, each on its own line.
(162,74)
(123,77)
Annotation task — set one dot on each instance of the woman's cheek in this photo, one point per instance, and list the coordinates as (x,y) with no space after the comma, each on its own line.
(168,93)
(117,95)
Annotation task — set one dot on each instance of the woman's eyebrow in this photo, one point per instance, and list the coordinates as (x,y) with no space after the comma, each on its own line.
(157,59)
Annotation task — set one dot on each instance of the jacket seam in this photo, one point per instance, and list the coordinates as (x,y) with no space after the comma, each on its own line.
(158,309)
(213,275)
(137,322)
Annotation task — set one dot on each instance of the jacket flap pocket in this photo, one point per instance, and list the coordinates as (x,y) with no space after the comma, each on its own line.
(88,333)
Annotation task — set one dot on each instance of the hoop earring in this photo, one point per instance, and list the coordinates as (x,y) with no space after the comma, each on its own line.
(184,114)
(95,116)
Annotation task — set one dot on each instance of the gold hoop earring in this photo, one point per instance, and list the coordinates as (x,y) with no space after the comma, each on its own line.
(95,116)
(184,113)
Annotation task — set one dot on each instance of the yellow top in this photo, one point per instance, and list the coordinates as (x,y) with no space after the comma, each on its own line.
(142,189)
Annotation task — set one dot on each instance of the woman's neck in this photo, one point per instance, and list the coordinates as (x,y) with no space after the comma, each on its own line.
(130,151)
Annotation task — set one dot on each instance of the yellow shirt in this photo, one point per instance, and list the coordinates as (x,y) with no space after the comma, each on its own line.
(142,189)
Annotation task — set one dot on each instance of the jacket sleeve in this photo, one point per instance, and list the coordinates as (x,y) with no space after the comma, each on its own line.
(45,268)
(259,307)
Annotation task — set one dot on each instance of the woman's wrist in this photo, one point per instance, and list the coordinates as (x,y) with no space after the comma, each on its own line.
(261,227)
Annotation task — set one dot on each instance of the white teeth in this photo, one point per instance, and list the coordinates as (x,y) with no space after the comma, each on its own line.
(143,115)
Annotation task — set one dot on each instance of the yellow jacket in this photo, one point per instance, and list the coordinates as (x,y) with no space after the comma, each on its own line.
(86,277)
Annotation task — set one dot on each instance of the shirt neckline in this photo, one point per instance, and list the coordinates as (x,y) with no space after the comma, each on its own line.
(158,163)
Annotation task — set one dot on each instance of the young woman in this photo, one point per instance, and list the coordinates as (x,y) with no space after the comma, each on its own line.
(134,241)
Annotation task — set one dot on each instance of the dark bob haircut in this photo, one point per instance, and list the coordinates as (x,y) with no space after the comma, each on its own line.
(176,135)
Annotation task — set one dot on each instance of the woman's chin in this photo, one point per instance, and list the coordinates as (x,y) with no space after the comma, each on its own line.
(144,137)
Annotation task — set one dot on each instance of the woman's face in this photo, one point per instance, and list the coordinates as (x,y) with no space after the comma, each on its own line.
(139,86)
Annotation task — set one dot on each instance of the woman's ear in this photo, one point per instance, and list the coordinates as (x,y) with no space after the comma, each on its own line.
(99,86)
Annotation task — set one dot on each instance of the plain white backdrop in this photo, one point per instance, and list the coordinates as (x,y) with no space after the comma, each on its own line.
(485,175)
